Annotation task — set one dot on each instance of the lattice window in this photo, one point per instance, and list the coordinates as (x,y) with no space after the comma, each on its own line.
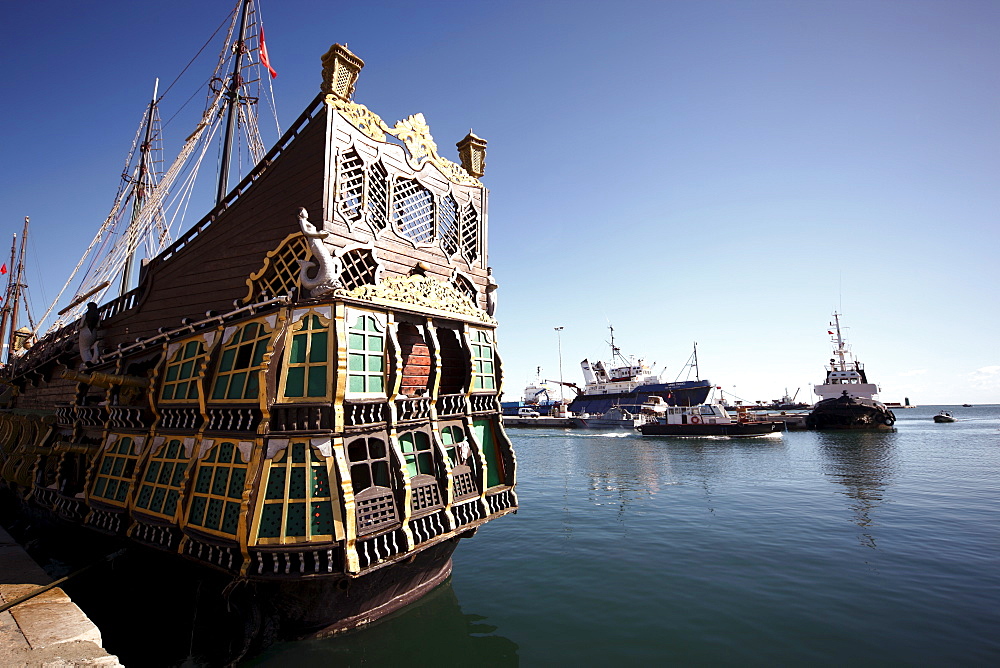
(180,382)
(374,501)
(470,233)
(366,356)
(297,504)
(377,204)
(413,211)
(160,488)
(217,496)
(452,437)
(307,360)
(448,225)
(350,184)
(483,372)
(466,287)
(280,273)
(487,440)
(242,359)
(115,471)
(418,457)
(359,269)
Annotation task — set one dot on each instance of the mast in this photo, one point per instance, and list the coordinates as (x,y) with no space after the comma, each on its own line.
(14,292)
(7,300)
(232,99)
(140,185)
(695,363)
(840,342)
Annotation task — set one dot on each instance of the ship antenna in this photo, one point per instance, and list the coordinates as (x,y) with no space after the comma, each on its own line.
(232,99)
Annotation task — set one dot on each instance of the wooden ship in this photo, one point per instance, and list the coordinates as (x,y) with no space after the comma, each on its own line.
(302,390)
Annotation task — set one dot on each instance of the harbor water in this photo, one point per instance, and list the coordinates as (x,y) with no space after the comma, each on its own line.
(818,548)
(801,548)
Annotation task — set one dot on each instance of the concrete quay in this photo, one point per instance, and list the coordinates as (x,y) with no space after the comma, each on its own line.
(47,630)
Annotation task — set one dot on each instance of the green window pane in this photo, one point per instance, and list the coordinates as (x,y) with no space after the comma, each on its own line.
(231,518)
(219,389)
(322,518)
(298,453)
(425,463)
(220,480)
(295,520)
(317,381)
(276,484)
(484,433)
(270,521)
(406,443)
(317,351)
(191,349)
(355,383)
(158,497)
(447,436)
(116,468)
(187,369)
(99,486)
(355,362)
(226,364)
(197,513)
(204,480)
(152,472)
(376,363)
(410,464)
(225,452)
(260,348)
(298,352)
(295,382)
(213,514)
(144,494)
(253,383)
(375,344)
(181,390)
(376,384)
(192,390)
(478,383)
(297,483)
(178,474)
(320,481)
(236,385)
(356,341)
(236,482)
(164,477)
(172,372)
(168,392)
(170,507)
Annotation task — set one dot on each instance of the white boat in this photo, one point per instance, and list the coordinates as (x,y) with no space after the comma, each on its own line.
(847,399)
(707,420)
(944,416)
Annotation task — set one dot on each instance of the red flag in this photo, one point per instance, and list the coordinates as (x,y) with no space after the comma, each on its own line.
(829,332)
(263,55)
(3,269)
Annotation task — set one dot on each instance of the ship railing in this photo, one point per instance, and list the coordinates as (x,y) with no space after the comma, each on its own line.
(363,413)
(413,408)
(451,404)
(484,403)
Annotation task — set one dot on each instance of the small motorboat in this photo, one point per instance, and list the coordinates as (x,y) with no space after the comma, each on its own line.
(944,416)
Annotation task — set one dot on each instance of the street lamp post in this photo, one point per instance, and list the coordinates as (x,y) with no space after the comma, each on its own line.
(559,337)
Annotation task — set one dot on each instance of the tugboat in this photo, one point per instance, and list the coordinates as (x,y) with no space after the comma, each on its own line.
(300,393)
(703,420)
(628,384)
(847,399)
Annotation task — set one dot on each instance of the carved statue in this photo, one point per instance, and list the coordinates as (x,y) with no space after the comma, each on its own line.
(491,292)
(328,268)
(89,335)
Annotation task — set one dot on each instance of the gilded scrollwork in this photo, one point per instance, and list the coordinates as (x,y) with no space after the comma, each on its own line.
(413,131)
(420,291)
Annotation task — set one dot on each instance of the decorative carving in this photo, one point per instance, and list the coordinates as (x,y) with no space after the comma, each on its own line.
(491,292)
(419,291)
(412,131)
(327,278)
(90,335)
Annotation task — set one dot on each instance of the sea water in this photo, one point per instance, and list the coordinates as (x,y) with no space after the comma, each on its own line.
(804,548)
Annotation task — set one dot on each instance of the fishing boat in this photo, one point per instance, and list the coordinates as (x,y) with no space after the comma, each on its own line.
(847,399)
(626,382)
(299,392)
(705,420)
(944,416)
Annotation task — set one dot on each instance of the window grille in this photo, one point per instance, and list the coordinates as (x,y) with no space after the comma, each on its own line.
(350,184)
(280,273)
(448,225)
(413,211)
(466,287)
(238,377)
(470,233)
(370,480)
(307,360)
(418,457)
(366,357)
(483,376)
(160,489)
(217,496)
(359,268)
(377,204)
(115,471)
(297,504)
(180,382)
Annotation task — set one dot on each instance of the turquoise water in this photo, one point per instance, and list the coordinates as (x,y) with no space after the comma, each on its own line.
(816,548)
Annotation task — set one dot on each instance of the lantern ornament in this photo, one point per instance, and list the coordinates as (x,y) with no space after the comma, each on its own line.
(340,72)
(472,152)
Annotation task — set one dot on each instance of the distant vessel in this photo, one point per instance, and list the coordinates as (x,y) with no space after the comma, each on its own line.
(615,417)
(706,420)
(847,399)
(541,395)
(944,416)
(631,384)
(785,403)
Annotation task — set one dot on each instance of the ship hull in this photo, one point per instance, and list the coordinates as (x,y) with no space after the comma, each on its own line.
(734,429)
(687,393)
(850,413)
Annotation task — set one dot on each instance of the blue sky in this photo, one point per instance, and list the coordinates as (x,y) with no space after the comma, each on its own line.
(714,171)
